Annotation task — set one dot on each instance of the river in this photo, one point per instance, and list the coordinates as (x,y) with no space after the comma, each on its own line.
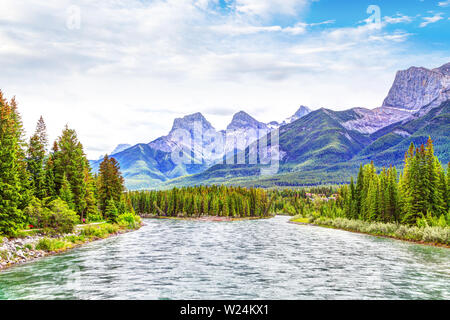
(263,259)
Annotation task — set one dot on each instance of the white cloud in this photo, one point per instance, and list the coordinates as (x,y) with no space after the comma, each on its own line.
(433,19)
(398,18)
(444,3)
(133,66)
(264,8)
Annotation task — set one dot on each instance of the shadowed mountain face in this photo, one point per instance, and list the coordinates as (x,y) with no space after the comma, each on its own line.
(321,146)
(317,149)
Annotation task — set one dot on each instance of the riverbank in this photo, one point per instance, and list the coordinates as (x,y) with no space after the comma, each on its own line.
(206,218)
(431,236)
(32,247)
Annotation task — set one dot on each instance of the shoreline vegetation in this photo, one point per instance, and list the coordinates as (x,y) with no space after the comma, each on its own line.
(50,201)
(224,202)
(430,236)
(206,218)
(32,245)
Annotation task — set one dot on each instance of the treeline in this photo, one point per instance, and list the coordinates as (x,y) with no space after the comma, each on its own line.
(200,201)
(420,195)
(32,178)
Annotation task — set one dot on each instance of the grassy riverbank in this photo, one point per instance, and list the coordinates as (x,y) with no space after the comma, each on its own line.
(437,236)
(32,245)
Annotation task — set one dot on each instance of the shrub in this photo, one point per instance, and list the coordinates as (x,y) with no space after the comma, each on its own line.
(94,217)
(56,217)
(3,254)
(129,221)
(99,231)
(47,244)
(75,239)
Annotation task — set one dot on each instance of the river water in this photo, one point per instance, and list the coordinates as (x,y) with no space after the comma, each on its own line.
(263,259)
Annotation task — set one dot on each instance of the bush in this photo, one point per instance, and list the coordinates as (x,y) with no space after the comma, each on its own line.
(56,217)
(99,231)
(75,239)
(427,234)
(48,245)
(94,217)
(129,221)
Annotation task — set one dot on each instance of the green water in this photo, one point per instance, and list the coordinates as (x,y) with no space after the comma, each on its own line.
(264,259)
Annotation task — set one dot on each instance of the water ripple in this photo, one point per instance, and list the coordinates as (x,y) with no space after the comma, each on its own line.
(266,259)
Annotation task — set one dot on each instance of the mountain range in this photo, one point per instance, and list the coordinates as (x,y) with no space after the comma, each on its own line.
(315,147)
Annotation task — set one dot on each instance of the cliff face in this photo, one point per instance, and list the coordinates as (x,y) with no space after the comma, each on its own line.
(418,87)
(414,93)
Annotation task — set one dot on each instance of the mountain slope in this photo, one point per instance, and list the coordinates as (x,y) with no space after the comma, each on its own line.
(391,142)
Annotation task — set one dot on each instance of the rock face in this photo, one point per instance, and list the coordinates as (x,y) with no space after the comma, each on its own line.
(418,87)
(243,120)
(414,93)
(373,120)
(300,113)
(190,123)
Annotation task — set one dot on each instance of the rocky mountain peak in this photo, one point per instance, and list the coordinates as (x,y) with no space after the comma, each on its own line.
(445,69)
(416,87)
(243,120)
(302,111)
(187,122)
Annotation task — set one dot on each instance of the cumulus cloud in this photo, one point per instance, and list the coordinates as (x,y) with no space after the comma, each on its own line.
(132,66)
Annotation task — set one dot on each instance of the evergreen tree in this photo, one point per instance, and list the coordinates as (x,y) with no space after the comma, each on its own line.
(11,214)
(69,159)
(110,182)
(35,159)
(65,193)
(111,211)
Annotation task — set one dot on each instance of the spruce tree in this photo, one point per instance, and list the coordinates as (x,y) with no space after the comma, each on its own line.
(11,214)
(35,159)
(111,211)
(65,193)
(111,182)
(69,159)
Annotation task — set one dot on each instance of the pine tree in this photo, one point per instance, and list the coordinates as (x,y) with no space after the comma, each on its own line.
(111,211)
(110,182)
(35,159)
(11,215)
(49,179)
(69,159)
(65,193)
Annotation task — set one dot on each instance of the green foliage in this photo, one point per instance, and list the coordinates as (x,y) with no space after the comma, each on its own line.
(13,176)
(110,182)
(54,217)
(48,245)
(35,159)
(201,201)
(427,234)
(99,231)
(129,221)
(70,161)
(111,211)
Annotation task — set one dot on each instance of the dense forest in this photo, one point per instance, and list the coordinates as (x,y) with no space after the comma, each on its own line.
(200,201)
(420,195)
(43,188)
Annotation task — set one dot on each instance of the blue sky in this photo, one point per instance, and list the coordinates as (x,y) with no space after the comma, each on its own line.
(120,71)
